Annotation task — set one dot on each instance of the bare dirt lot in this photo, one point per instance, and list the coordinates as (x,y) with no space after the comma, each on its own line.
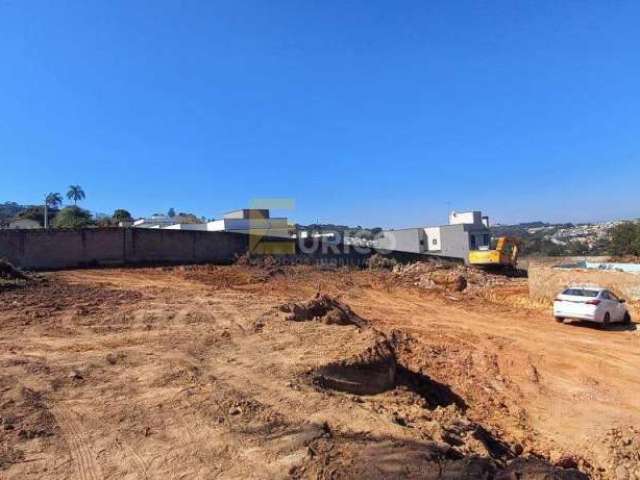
(244,372)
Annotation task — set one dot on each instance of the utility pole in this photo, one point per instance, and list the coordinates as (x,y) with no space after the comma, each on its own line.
(46,214)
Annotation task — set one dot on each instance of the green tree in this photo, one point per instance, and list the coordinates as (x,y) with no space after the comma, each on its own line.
(75,193)
(53,200)
(183,217)
(73,217)
(121,215)
(36,213)
(625,239)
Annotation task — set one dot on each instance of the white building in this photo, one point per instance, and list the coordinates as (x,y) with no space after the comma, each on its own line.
(466,231)
(247,221)
(155,221)
(24,224)
(252,221)
(187,226)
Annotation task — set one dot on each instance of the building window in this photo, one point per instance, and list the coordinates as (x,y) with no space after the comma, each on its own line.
(486,239)
(435,241)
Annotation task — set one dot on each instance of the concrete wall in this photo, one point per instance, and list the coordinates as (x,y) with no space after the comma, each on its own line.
(410,240)
(53,249)
(546,281)
(455,242)
(433,242)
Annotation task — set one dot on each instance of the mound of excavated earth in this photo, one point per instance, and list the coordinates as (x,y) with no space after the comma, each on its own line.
(323,308)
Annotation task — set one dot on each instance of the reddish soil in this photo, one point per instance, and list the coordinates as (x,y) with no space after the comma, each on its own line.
(242,372)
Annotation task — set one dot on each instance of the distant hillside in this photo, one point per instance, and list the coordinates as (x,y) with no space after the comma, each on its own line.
(540,238)
(8,211)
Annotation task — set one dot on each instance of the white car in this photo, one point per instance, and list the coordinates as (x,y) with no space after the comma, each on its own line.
(593,304)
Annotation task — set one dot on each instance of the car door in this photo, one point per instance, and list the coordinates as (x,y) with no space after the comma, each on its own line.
(608,306)
(617,307)
(612,305)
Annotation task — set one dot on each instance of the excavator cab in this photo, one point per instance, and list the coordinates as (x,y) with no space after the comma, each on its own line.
(505,254)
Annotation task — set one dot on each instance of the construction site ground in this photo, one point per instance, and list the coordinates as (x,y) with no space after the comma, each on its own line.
(229,372)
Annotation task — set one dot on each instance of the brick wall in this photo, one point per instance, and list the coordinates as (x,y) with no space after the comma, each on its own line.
(54,249)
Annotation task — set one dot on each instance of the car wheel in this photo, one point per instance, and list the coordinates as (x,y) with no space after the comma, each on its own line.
(606,320)
(627,318)
(559,319)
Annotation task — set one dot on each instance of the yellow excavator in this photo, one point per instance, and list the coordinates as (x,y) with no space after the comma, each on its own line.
(504,255)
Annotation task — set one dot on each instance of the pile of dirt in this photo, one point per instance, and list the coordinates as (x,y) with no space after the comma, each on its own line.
(447,277)
(458,445)
(371,372)
(323,308)
(9,272)
(12,277)
(624,452)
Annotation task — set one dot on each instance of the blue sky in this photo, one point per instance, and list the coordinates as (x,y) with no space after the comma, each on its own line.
(368,112)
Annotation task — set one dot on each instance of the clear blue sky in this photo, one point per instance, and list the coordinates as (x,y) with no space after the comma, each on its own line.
(365,112)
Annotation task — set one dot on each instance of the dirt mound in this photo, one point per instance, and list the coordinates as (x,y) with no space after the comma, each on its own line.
(371,372)
(455,444)
(624,452)
(323,308)
(532,468)
(447,277)
(12,277)
(9,272)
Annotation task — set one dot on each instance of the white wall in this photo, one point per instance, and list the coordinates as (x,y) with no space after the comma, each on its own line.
(187,226)
(24,223)
(277,227)
(433,241)
(471,218)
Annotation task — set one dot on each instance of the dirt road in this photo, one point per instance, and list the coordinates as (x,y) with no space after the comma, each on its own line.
(198,373)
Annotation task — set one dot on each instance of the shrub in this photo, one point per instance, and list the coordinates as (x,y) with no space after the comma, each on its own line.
(625,239)
(73,217)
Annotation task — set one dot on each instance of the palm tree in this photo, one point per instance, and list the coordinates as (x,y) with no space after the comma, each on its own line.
(53,200)
(75,193)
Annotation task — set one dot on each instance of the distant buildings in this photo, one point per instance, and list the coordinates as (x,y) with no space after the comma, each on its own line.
(154,221)
(466,231)
(24,224)
(247,221)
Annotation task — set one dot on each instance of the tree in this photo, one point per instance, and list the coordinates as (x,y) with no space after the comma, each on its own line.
(73,217)
(183,217)
(121,215)
(171,213)
(75,193)
(625,239)
(36,213)
(53,200)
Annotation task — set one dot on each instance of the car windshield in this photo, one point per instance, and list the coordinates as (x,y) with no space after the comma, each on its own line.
(581,292)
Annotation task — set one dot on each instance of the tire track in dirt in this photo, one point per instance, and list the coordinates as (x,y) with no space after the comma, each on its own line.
(138,463)
(83,457)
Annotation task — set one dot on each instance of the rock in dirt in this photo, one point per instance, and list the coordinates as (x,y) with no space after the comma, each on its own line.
(323,308)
